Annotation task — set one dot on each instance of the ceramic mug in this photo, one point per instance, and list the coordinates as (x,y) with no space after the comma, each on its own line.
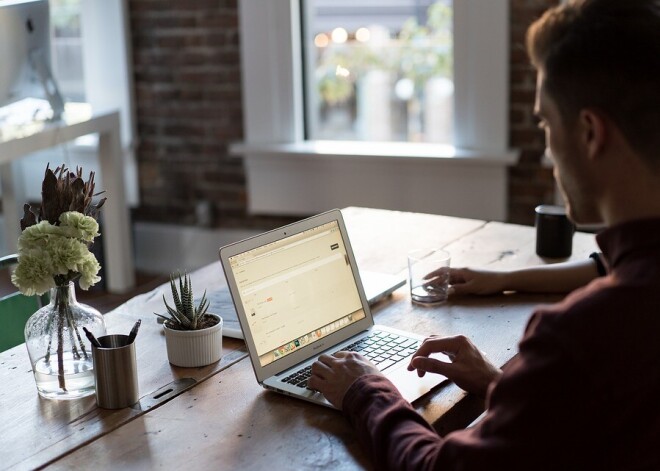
(554,232)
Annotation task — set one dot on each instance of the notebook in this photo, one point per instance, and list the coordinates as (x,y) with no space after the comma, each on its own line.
(377,286)
(298,293)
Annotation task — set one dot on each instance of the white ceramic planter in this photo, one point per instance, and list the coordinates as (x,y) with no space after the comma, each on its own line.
(191,348)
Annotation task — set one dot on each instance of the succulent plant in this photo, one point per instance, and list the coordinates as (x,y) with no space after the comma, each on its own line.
(185,315)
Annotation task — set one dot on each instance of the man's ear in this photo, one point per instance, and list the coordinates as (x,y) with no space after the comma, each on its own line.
(593,132)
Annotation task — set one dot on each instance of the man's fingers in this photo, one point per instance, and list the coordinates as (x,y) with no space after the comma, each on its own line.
(461,288)
(433,277)
(341,354)
(447,345)
(456,275)
(440,344)
(320,369)
(314,382)
(327,359)
(431,365)
(350,355)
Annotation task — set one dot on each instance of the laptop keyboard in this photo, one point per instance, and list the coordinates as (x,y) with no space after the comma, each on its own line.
(381,348)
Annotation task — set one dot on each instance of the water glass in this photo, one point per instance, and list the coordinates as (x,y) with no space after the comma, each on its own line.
(428,271)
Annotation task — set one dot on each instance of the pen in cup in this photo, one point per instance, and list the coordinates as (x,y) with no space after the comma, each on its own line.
(91,338)
(134,331)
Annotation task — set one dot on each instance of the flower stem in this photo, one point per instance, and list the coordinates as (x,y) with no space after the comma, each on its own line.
(49,329)
(62,298)
(61,307)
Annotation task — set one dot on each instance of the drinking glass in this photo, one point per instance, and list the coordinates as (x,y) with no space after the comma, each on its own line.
(428,271)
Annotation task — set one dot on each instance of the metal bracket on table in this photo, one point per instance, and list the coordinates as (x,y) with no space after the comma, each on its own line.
(164,394)
(176,387)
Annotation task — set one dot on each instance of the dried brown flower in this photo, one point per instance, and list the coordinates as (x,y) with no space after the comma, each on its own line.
(63,191)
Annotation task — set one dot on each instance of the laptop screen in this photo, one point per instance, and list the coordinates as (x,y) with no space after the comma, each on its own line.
(296,290)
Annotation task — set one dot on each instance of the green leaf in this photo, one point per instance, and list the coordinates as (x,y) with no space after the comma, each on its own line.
(184,312)
(175,294)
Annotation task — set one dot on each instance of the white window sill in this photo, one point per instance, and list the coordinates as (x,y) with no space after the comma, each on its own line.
(309,177)
(403,151)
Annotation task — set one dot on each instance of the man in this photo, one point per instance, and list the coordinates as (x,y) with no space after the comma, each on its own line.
(584,390)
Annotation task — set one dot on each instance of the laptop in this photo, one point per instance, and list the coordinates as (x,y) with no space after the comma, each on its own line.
(298,294)
(377,286)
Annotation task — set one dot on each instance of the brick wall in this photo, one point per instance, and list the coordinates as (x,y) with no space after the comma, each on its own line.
(188,93)
(530,183)
(188,101)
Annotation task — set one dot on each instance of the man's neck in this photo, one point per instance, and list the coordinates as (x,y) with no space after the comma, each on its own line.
(630,187)
(639,199)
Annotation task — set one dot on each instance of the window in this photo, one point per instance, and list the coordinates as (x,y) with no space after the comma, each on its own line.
(379,71)
(299,161)
(273,71)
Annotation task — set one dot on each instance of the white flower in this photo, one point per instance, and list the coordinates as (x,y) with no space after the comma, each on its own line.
(88,271)
(85,227)
(34,274)
(46,251)
(66,254)
(37,236)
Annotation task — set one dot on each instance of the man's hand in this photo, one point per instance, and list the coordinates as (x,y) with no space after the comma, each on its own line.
(470,281)
(468,368)
(332,375)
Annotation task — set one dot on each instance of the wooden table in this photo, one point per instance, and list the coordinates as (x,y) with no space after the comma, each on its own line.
(221,418)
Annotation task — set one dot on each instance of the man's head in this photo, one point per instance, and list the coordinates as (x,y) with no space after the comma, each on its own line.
(599,65)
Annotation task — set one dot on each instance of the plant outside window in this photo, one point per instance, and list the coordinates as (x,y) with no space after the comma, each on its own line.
(376,81)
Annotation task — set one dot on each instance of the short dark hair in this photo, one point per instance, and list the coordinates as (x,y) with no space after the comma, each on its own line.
(604,54)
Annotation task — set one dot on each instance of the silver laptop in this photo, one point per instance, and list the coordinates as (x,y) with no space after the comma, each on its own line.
(377,286)
(297,293)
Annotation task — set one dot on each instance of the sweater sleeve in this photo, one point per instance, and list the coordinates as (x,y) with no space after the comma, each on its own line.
(530,406)
(392,432)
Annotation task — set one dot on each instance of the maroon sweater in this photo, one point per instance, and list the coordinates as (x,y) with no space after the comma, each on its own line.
(583,392)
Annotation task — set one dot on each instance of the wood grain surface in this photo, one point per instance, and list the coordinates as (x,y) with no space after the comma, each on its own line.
(226,420)
(35,431)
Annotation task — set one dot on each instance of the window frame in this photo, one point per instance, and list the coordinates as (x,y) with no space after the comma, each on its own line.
(273,73)
(274,109)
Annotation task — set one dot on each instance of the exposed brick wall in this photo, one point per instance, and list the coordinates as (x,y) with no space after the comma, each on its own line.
(530,183)
(188,92)
(188,100)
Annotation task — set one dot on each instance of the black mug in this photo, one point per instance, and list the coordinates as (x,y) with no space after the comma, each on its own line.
(554,232)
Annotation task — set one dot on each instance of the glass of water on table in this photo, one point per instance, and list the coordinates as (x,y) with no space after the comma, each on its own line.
(428,275)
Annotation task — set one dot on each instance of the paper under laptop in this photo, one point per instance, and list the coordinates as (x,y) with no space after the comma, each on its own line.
(377,286)
(298,293)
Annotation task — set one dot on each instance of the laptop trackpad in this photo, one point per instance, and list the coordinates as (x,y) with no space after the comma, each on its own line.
(410,385)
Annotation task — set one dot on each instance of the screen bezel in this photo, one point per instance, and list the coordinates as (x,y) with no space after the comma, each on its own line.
(304,353)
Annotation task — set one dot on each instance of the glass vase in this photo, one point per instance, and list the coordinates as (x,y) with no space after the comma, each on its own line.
(60,353)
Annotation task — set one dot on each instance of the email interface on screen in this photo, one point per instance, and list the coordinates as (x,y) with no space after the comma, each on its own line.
(297,290)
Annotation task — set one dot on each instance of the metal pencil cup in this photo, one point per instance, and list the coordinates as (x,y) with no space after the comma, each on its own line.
(115,372)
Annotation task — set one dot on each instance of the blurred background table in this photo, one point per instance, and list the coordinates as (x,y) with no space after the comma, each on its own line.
(78,120)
